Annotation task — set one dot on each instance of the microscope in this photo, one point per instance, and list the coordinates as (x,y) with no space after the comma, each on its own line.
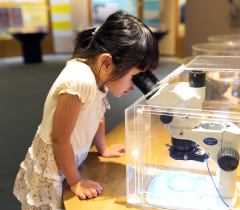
(193,138)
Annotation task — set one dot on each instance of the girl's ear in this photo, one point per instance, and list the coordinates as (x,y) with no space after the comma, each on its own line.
(105,61)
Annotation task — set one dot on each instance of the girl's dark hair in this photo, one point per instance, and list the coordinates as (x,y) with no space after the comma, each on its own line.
(129,41)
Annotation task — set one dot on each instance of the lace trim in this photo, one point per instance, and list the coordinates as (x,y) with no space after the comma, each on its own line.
(78,160)
(38,181)
(106,103)
(72,93)
(43,159)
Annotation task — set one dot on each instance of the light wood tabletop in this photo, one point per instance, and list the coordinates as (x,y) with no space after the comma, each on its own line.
(111,174)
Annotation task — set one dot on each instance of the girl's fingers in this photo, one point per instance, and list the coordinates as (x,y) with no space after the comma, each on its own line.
(98,187)
(99,190)
(88,194)
(94,192)
(82,196)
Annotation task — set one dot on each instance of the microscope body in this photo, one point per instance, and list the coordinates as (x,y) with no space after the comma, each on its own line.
(188,97)
(194,139)
(214,138)
(178,124)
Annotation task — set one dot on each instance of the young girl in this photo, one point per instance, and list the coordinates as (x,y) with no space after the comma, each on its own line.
(103,59)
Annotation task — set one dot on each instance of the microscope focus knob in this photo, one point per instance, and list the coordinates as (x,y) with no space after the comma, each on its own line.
(228,159)
(166,118)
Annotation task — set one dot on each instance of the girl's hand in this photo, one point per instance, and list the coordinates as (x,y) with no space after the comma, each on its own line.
(86,189)
(114,150)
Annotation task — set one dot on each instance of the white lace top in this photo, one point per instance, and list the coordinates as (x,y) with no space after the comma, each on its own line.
(77,79)
(39,180)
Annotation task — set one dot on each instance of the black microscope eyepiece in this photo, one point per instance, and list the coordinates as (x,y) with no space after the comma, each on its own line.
(145,81)
(197,79)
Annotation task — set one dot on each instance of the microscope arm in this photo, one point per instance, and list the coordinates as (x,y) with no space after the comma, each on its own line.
(170,96)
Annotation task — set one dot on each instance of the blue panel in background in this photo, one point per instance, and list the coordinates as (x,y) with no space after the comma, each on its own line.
(101,9)
(151,13)
(151,5)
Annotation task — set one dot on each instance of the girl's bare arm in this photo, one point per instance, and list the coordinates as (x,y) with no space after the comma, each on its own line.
(64,121)
(114,150)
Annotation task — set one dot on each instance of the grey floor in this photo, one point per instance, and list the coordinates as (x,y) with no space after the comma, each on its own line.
(23,88)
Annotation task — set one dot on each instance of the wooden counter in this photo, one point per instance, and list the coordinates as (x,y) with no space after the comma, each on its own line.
(111,174)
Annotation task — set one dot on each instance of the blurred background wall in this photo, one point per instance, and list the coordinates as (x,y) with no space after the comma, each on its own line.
(209,17)
(183,22)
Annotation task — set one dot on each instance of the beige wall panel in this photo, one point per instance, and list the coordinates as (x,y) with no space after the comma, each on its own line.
(205,18)
(168,17)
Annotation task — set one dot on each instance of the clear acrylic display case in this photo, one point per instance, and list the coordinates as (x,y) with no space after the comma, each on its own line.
(224,38)
(228,48)
(209,117)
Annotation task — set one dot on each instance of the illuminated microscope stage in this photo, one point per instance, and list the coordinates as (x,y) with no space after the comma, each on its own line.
(183,190)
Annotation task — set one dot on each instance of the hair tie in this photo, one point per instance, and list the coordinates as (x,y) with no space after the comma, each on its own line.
(95,31)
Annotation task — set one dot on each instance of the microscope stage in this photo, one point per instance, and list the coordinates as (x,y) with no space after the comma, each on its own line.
(183,190)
